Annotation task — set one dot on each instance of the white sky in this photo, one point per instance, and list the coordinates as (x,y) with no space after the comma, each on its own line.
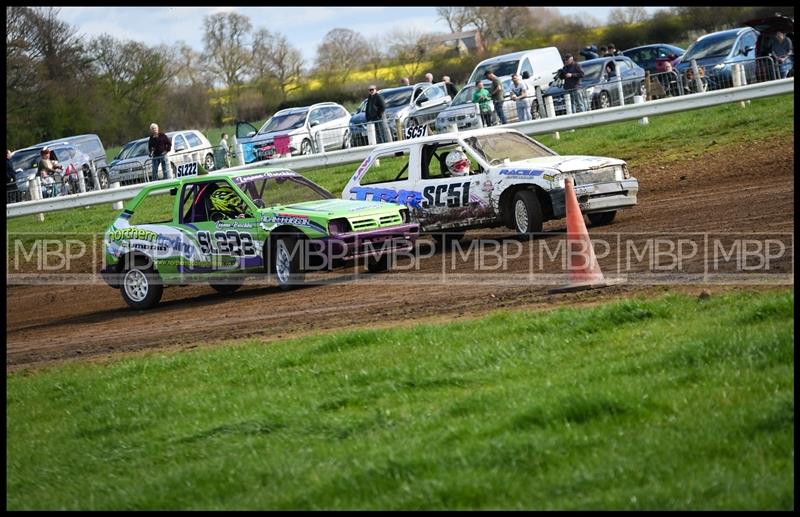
(303,26)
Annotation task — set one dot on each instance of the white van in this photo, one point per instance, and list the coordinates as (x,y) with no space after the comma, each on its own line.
(536,67)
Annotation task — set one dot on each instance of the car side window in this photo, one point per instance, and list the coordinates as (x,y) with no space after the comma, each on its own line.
(197,205)
(393,167)
(316,116)
(178,143)
(747,41)
(526,67)
(341,113)
(193,140)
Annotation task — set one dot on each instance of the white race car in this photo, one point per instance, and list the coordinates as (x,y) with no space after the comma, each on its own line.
(489,177)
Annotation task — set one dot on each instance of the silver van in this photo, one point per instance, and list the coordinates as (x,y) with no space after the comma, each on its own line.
(536,67)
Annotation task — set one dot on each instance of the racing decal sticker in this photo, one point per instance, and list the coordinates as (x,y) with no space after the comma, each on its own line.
(362,168)
(230,242)
(270,222)
(225,224)
(521,172)
(131,232)
(264,175)
(387,195)
(450,195)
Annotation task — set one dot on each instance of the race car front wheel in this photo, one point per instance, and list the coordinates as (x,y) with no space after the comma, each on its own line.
(526,212)
(601,218)
(286,261)
(230,286)
(141,287)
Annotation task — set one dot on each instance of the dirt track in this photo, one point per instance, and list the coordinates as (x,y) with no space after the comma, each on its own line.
(736,189)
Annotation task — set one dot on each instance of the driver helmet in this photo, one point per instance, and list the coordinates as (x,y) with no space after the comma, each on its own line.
(457,163)
(226,201)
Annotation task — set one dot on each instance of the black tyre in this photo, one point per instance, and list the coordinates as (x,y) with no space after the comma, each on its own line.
(378,264)
(601,218)
(231,286)
(286,261)
(141,287)
(306,147)
(346,141)
(526,212)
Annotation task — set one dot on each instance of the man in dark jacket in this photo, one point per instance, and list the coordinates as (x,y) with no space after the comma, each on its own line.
(158,146)
(11,176)
(374,112)
(572,74)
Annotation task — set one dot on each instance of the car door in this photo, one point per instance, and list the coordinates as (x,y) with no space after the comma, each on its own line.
(448,201)
(429,103)
(387,176)
(225,242)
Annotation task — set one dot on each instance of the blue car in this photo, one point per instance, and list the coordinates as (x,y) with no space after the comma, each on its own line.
(600,83)
(653,58)
(716,52)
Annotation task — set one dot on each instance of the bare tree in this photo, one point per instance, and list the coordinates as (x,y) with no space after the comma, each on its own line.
(456,17)
(409,47)
(275,59)
(341,52)
(374,57)
(227,51)
(627,15)
(187,66)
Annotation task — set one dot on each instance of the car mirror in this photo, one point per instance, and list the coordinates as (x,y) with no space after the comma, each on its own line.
(173,191)
(314,123)
(746,50)
(526,75)
(251,133)
(179,148)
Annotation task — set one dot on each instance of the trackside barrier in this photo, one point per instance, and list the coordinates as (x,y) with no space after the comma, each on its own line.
(534,127)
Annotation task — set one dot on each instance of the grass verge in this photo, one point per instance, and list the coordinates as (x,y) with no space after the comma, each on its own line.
(666,403)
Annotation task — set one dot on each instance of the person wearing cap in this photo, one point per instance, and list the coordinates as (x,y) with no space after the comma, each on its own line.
(612,50)
(158,146)
(572,74)
(374,112)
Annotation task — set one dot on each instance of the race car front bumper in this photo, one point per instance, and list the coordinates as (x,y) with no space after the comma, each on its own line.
(598,197)
(354,245)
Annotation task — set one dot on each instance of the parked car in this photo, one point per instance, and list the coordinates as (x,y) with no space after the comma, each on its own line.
(600,83)
(26,162)
(412,105)
(302,124)
(227,225)
(465,114)
(92,146)
(767,27)
(509,179)
(718,51)
(133,163)
(654,58)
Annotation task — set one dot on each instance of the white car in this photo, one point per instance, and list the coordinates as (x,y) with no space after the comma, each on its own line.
(512,180)
(133,163)
(328,119)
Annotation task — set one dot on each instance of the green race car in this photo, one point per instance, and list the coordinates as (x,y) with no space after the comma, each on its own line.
(218,228)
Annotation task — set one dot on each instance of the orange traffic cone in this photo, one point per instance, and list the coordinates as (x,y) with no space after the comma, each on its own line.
(584,271)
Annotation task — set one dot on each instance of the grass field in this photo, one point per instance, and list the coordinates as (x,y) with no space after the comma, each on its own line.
(679,136)
(666,403)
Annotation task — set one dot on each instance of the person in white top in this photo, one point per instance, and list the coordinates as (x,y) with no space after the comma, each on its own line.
(223,144)
(519,93)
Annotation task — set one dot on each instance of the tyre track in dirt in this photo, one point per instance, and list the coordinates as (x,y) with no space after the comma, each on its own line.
(746,189)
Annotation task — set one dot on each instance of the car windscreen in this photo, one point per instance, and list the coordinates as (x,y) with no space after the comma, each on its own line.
(712,46)
(284,122)
(464,96)
(395,98)
(497,147)
(271,189)
(24,159)
(499,69)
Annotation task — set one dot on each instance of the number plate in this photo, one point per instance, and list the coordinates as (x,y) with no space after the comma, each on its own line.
(186,169)
(415,132)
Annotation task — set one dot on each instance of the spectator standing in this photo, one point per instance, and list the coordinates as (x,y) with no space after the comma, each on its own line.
(46,168)
(589,52)
(226,150)
(519,93)
(11,176)
(429,77)
(497,95)
(612,50)
(452,91)
(483,98)
(158,146)
(572,74)
(783,53)
(404,81)
(603,51)
(374,112)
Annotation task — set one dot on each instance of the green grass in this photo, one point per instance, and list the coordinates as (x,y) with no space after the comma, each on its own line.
(678,136)
(667,403)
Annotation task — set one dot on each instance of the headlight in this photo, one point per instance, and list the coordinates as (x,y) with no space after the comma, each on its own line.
(337,226)
(590,90)
(719,66)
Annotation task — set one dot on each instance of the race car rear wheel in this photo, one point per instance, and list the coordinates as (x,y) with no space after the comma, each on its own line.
(526,212)
(141,287)
(286,261)
(601,218)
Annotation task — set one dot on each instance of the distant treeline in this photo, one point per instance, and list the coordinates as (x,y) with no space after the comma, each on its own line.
(60,84)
